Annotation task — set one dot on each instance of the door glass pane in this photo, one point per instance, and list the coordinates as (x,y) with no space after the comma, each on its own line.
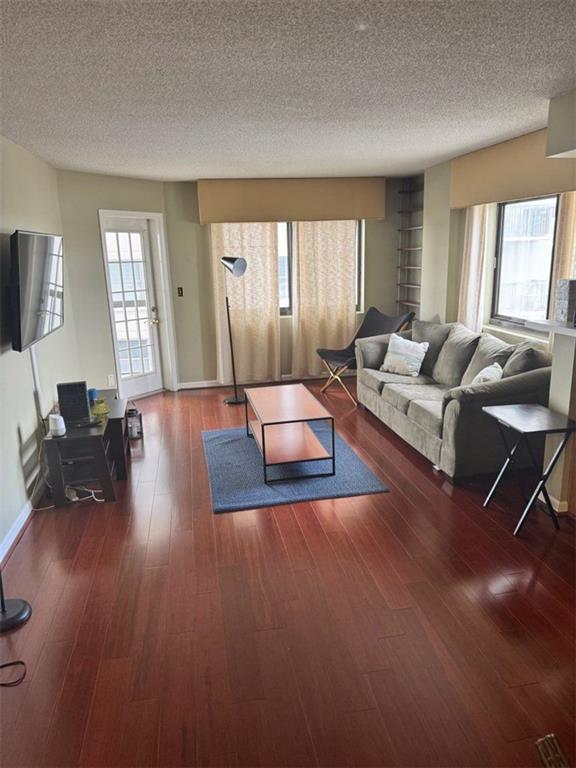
(127,277)
(130,304)
(111,246)
(136,242)
(133,334)
(142,305)
(136,359)
(115,279)
(139,275)
(145,331)
(147,359)
(119,316)
(124,246)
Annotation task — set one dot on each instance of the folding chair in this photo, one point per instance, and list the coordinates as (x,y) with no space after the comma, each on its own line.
(337,361)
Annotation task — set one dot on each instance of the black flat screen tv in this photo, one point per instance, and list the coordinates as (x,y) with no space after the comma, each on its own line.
(36,287)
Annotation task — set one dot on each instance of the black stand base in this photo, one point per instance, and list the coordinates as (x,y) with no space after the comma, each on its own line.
(240,400)
(17,612)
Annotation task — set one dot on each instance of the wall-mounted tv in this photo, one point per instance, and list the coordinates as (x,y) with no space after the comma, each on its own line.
(36,287)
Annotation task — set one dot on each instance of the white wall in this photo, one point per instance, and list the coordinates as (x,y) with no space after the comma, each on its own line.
(29,200)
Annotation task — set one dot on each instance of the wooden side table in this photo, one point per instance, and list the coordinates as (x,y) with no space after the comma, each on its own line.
(76,457)
(91,453)
(528,420)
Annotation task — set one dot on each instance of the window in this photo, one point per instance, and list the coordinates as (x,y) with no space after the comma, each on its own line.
(285,266)
(524,259)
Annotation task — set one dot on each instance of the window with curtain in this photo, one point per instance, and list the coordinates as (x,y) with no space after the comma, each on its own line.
(325,284)
(254,301)
(311,271)
(286,258)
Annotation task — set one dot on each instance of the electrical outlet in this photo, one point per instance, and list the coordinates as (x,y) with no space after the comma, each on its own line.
(111,380)
(180,291)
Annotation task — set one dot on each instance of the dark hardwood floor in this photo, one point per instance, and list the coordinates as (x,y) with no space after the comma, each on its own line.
(403,629)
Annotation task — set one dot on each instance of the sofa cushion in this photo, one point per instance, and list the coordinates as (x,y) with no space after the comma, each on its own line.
(404,356)
(455,356)
(526,357)
(489,350)
(375,380)
(490,373)
(435,334)
(401,395)
(427,414)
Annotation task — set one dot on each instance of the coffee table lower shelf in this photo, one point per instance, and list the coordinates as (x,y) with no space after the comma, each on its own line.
(291,442)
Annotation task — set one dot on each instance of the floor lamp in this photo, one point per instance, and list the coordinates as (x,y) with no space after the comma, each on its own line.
(236,265)
(13,612)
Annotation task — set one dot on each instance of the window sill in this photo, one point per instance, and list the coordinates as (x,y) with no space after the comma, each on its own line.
(288,315)
(515,332)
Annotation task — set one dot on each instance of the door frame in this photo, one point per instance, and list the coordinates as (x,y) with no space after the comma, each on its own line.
(163,288)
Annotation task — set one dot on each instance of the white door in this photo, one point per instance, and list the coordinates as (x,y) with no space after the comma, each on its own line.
(132,302)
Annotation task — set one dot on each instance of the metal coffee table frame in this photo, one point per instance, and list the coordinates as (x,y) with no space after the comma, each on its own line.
(266,464)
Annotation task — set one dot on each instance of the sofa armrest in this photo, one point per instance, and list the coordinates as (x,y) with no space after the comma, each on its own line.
(371,350)
(471,443)
(529,387)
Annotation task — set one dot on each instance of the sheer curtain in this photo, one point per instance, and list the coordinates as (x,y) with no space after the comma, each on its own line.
(478,245)
(324,293)
(254,309)
(565,250)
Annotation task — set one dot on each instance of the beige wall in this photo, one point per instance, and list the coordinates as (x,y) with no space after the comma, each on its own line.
(510,170)
(381,256)
(442,242)
(189,251)
(224,200)
(29,200)
(81,197)
(561,134)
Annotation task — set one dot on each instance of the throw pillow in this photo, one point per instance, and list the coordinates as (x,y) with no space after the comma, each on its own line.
(404,356)
(490,373)
(435,334)
(489,350)
(526,357)
(455,356)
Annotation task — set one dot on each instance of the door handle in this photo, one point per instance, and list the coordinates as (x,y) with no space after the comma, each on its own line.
(155,321)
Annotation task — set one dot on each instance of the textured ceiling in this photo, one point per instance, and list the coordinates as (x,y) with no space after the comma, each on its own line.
(183,89)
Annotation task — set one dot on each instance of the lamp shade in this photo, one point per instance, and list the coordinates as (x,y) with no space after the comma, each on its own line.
(234,264)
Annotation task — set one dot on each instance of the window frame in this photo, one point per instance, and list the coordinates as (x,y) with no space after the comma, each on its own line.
(495,317)
(360,266)
(287,311)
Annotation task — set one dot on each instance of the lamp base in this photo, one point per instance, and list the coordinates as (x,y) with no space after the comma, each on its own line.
(240,400)
(17,612)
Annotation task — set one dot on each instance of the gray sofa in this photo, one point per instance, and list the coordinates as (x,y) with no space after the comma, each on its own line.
(439,412)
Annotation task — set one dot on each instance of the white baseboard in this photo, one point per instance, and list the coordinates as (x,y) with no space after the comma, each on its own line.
(20,523)
(561,507)
(15,530)
(285,377)
(200,384)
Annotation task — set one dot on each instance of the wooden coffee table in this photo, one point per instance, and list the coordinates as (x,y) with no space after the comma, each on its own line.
(281,427)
